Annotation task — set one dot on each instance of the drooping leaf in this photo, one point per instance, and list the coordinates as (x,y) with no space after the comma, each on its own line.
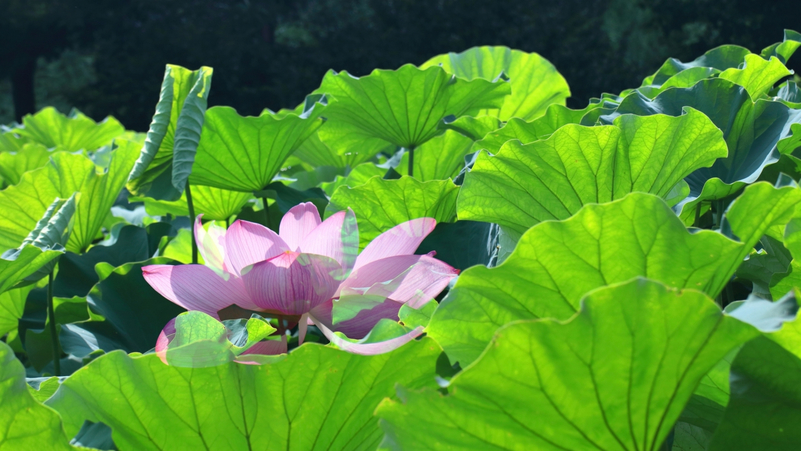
(616,376)
(22,264)
(523,185)
(244,153)
(753,131)
(765,404)
(556,263)
(72,133)
(24,204)
(382,204)
(401,107)
(536,84)
(27,424)
(165,161)
(316,398)
(14,164)
(50,233)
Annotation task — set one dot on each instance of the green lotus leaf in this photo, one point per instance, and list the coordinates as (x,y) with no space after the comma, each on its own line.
(165,161)
(72,133)
(440,158)
(134,313)
(316,153)
(12,307)
(76,272)
(27,424)
(555,117)
(382,204)
(50,233)
(536,84)
(214,203)
(783,50)
(765,404)
(201,341)
(15,267)
(13,164)
(556,263)
(11,142)
(24,204)
(615,376)
(358,176)
(523,185)
(244,153)
(316,398)
(683,79)
(757,75)
(753,131)
(401,107)
(719,58)
(474,128)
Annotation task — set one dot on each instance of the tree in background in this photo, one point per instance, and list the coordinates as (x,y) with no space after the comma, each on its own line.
(270,54)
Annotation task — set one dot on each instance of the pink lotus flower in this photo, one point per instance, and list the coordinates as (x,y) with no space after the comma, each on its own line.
(310,272)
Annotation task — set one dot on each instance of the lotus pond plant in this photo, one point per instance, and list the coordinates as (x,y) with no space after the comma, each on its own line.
(630,270)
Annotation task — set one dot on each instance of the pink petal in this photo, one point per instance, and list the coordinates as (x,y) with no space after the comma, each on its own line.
(211,245)
(247,243)
(297,223)
(425,281)
(402,239)
(292,283)
(267,347)
(197,287)
(369,348)
(165,337)
(412,279)
(337,237)
(362,323)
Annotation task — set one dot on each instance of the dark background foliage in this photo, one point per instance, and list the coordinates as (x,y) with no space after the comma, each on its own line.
(107,56)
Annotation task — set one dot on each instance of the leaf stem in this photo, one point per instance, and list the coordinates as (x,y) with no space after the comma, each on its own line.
(192,221)
(227,222)
(411,161)
(51,316)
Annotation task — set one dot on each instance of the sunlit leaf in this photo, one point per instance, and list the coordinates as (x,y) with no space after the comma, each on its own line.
(523,185)
(616,376)
(401,107)
(382,204)
(14,164)
(536,84)
(317,398)
(26,423)
(556,263)
(165,161)
(244,153)
(74,132)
